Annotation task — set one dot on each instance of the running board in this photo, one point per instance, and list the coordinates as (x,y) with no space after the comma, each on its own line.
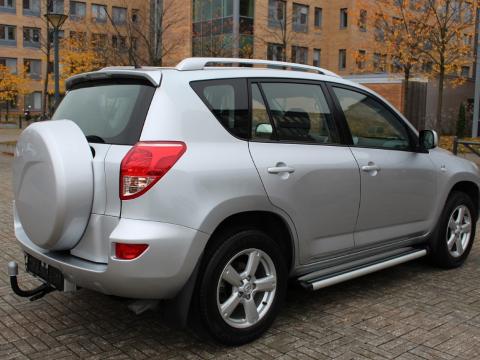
(352,273)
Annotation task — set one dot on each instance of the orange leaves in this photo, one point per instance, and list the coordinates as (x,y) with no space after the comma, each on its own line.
(11,84)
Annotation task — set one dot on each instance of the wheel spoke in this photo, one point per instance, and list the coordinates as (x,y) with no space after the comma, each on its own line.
(452,225)
(466,228)
(265,284)
(461,213)
(231,276)
(251,311)
(229,306)
(451,241)
(252,264)
(459,245)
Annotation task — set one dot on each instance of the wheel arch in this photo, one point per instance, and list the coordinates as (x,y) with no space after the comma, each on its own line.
(468,187)
(271,223)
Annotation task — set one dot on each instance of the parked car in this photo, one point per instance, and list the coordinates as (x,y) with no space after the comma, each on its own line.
(211,186)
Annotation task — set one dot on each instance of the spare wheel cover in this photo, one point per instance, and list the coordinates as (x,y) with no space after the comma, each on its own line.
(53,183)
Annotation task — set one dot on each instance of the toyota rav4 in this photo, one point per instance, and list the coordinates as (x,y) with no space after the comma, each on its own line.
(213,183)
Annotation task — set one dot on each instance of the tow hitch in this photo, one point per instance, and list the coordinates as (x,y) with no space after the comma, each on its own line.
(33,294)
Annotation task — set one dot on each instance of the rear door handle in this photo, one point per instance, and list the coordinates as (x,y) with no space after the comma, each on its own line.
(371,167)
(280,169)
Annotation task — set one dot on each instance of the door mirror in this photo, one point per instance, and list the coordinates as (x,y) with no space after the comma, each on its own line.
(264,130)
(428,139)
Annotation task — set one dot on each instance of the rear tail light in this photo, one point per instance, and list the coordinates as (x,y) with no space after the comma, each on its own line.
(129,251)
(145,164)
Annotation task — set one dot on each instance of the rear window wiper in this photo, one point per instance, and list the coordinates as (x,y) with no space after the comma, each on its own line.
(95,139)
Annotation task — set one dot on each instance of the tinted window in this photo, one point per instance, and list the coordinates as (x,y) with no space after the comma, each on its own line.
(261,126)
(228,101)
(106,112)
(371,123)
(300,112)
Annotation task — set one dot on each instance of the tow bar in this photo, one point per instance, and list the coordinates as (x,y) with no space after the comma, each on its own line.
(33,294)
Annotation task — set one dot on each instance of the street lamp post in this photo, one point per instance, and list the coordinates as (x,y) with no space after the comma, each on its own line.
(56,20)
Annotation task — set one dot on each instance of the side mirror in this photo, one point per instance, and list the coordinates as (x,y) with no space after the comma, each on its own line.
(264,130)
(428,139)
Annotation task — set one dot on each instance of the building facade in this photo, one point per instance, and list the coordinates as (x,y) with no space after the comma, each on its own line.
(339,35)
(24,35)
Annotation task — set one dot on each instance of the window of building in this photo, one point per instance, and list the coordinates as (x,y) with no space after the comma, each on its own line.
(468,12)
(7,6)
(300,18)
(468,39)
(31,37)
(342,59)
(398,2)
(415,5)
(300,112)
(31,7)
(371,123)
(33,68)
(56,6)
(135,16)
(119,42)
(277,13)
(77,10)
(8,35)
(380,62)
(99,13)
(379,29)
(396,64)
(318,17)
(228,101)
(362,20)
(465,71)
(10,63)
(343,18)
(275,52)
(61,35)
(361,59)
(300,54)
(99,40)
(33,101)
(80,36)
(317,54)
(246,8)
(119,15)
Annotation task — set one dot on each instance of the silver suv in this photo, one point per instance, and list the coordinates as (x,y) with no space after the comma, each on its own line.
(211,186)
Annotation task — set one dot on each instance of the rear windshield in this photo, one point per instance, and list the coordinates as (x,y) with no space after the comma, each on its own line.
(111,113)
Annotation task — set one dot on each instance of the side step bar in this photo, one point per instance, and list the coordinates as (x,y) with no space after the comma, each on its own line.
(338,277)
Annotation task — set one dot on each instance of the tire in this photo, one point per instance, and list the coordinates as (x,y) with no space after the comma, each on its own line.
(453,237)
(213,292)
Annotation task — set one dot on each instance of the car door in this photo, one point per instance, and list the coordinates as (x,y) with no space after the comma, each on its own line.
(398,182)
(305,170)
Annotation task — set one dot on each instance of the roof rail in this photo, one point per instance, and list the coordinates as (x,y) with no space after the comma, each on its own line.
(200,63)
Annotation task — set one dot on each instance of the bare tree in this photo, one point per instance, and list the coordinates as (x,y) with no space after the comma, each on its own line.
(276,28)
(447,50)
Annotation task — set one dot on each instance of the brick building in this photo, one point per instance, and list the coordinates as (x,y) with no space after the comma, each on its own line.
(23,34)
(326,33)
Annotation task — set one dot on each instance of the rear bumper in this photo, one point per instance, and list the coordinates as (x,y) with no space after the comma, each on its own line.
(159,273)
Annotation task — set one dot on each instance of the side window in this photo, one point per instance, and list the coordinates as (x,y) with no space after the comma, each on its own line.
(228,101)
(261,126)
(300,112)
(371,123)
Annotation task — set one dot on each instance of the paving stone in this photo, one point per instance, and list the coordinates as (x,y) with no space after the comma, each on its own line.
(410,312)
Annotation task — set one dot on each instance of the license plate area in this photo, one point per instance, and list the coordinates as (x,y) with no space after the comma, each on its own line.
(51,275)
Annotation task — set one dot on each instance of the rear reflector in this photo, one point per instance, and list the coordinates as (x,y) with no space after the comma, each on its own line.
(129,251)
(145,164)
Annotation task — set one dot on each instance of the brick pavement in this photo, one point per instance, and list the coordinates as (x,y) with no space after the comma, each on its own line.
(409,312)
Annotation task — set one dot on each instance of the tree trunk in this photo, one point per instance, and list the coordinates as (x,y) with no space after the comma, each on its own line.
(441,82)
(406,89)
